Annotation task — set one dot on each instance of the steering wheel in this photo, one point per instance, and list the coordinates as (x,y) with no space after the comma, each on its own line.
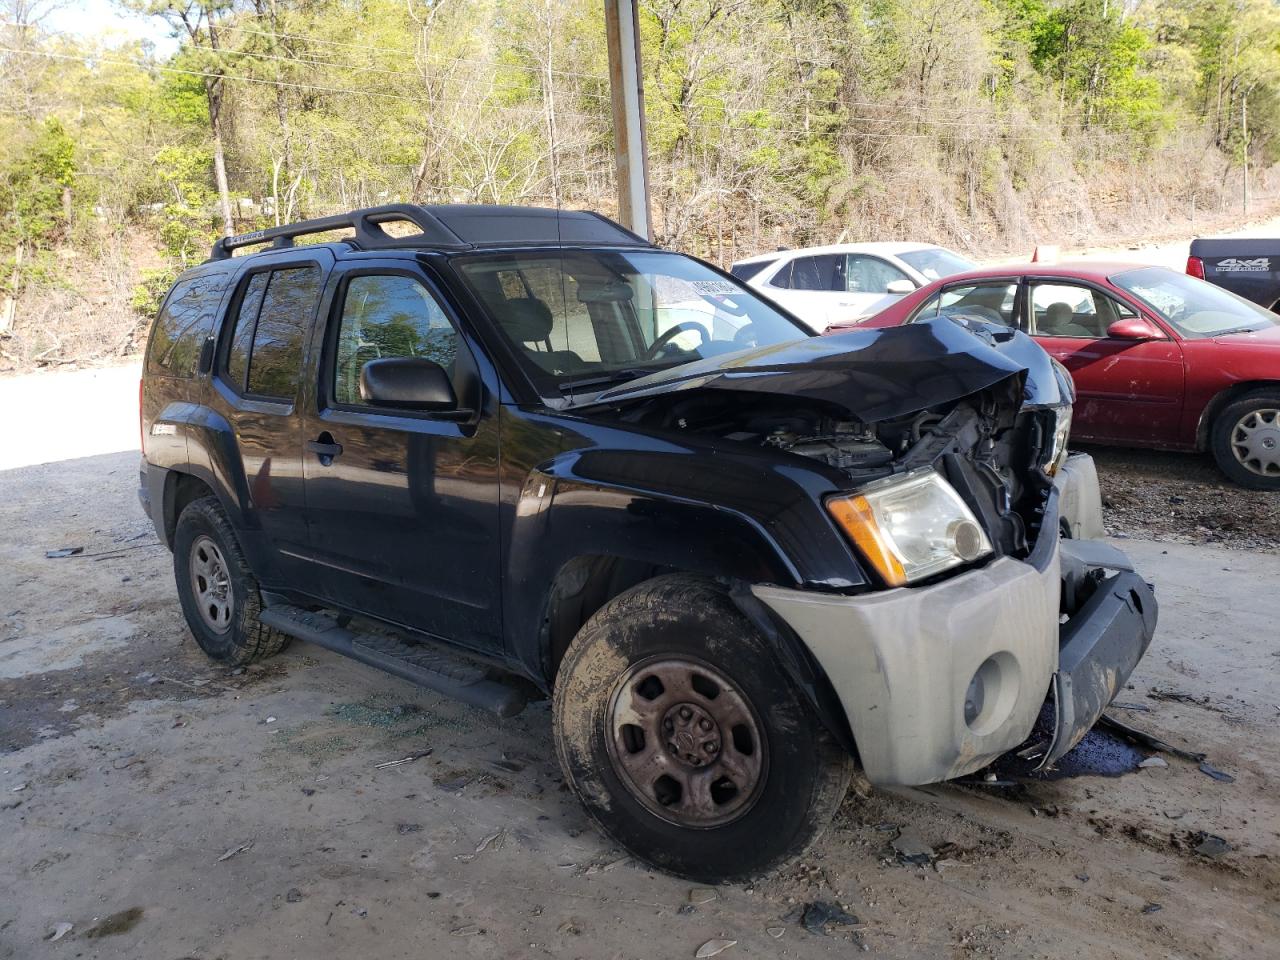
(746,337)
(672,332)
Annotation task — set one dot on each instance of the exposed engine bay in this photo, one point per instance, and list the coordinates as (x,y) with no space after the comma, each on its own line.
(984,445)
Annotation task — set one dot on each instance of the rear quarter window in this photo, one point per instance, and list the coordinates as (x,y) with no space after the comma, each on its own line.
(745,271)
(184,322)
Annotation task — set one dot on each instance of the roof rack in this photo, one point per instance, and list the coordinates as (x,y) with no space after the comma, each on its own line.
(447,227)
(366,223)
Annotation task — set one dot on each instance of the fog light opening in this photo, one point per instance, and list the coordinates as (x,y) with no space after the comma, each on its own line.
(991,694)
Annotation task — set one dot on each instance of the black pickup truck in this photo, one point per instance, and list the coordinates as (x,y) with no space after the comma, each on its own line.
(1248,268)
(522,453)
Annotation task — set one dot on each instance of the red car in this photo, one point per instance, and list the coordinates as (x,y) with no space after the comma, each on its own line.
(1160,359)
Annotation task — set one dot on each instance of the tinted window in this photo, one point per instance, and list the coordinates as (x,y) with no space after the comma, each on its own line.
(864,274)
(388,316)
(1067,310)
(185,321)
(745,271)
(813,273)
(275,362)
(242,338)
(991,302)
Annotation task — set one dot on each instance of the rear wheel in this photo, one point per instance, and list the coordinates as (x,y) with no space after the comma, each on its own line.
(683,738)
(1246,440)
(219,594)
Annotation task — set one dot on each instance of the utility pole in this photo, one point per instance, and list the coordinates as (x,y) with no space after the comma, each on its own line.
(631,151)
(1244,133)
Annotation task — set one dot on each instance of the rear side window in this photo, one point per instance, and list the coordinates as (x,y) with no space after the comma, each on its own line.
(745,271)
(185,321)
(990,302)
(265,355)
(813,273)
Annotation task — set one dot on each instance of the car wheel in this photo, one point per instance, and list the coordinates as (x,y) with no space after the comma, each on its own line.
(679,731)
(1246,440)
(219,593)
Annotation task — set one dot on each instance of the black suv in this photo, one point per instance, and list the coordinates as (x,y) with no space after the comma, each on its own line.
(509,453)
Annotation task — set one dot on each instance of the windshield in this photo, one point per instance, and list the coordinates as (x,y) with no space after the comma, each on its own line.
(584,319)
(936,262)
(1194,308)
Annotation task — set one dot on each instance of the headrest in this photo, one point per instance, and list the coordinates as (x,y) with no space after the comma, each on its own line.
(604,291)
(526,319)
(1059,313)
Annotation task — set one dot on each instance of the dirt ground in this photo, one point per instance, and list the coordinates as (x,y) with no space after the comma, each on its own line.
(168,808)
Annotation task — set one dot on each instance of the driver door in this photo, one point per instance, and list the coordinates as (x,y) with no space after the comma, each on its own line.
(1127,391)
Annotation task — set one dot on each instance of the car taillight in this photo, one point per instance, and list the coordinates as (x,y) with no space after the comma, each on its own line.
(141,435)
(1195,268)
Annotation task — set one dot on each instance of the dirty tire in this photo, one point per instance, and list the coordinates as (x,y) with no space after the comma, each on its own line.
(244,638)
(1220,441)
(692,619)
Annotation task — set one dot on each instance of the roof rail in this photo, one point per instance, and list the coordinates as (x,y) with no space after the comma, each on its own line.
(366,223)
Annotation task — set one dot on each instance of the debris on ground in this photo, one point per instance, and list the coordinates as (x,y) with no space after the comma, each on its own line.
(60,931)
(775,932)
(235,850)
(714,947)
(493,839)
(817,916)
(911,848)
(1152,908)
(63,552)
(1147,740)
(1150,762)
(699,895)
(466,930)
(409,759)
(1210,845)
(403,828)
(293,896)
(1210,770)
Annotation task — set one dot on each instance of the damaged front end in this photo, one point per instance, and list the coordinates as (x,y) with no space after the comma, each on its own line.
(970,625)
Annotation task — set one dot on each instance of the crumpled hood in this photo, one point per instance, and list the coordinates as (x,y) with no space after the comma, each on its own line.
(876,374)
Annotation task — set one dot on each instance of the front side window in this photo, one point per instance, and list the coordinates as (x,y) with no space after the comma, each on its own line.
(388,316)
(991,302)
(265,355)
(185,321)
(812,273)
(600,316)
(1196,309)
(866,274)
(1068,310)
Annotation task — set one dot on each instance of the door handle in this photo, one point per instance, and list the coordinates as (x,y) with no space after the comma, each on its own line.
(325,447)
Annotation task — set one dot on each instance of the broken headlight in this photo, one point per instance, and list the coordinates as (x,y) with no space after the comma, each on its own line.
(1056,454)
(910,527)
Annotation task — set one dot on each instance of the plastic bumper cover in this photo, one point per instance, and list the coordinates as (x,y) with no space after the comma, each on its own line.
(938,681)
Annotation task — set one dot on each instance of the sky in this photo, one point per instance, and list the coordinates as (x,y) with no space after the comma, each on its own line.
(106,20)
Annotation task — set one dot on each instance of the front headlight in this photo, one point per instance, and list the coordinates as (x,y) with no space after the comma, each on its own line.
(1057,452)
(910,527)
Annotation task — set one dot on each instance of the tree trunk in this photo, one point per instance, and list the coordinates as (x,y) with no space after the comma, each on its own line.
(213,89)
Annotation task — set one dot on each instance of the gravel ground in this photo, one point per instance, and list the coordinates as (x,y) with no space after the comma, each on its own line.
(1182,498)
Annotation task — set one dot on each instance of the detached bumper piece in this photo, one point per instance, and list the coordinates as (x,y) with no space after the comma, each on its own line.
(1098,647)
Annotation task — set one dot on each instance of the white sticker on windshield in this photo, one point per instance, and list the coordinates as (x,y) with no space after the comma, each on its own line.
(714,288)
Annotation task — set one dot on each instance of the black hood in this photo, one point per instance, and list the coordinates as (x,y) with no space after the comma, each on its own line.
(876,374)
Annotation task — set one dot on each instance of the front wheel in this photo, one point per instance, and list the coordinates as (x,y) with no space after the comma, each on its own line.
(680,733)
(1246,440)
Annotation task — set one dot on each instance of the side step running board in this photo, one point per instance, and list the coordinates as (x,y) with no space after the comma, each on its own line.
(418,664)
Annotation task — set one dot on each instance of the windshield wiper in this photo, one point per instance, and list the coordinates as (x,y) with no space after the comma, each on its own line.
(605,379)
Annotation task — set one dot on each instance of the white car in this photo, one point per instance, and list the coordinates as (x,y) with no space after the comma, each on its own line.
(849,281)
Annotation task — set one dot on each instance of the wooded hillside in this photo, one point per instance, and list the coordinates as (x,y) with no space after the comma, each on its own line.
(982,124)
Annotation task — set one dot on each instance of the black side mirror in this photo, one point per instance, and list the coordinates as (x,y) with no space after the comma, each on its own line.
(410,383)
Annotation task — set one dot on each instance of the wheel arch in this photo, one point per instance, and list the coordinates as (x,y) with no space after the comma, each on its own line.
(1223,399)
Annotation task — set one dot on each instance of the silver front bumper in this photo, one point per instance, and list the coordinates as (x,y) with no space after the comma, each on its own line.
(901,662)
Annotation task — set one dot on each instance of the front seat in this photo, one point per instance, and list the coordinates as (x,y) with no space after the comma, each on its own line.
(1059,320)
(528,320)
